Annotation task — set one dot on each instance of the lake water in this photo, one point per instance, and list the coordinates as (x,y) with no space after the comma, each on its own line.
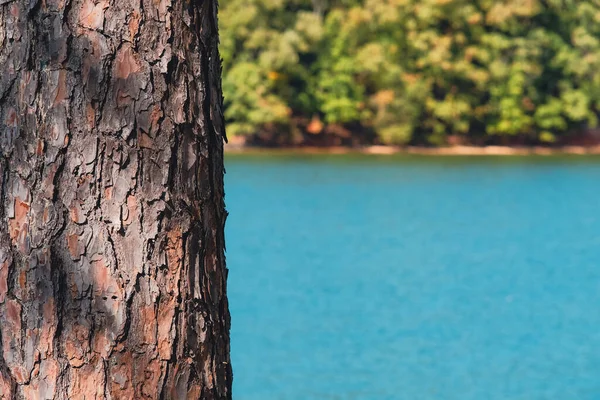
(414,278)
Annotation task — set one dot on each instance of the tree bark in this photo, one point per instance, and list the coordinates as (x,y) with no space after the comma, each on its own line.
(112,267)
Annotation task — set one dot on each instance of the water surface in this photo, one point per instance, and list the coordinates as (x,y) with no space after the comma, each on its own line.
(414,278)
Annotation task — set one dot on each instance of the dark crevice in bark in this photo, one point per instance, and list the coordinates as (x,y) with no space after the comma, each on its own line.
(100,162)
(3,182)
(105,85)
(60,166)
(59,283)
(173,163)
(34,8)
(172,66)
(128,311)
(106,374)
(3,98)
(67,11)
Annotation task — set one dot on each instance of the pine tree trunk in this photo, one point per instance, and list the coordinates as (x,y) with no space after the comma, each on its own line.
(112,268)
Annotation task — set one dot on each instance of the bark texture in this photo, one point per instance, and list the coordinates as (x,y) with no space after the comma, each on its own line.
(112,268)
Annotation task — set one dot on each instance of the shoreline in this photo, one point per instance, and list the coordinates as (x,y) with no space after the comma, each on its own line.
(426,151)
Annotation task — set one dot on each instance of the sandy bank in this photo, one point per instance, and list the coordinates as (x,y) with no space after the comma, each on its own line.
(433,151)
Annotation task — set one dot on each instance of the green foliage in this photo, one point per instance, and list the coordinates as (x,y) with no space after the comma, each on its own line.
(414,71)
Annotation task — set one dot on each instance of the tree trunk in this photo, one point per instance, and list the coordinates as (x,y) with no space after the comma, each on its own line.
(112,267)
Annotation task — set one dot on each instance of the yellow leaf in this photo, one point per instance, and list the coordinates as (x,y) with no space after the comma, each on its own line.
(273,75)
(384,97)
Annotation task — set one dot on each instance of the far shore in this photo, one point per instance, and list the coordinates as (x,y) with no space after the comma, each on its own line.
(430,151)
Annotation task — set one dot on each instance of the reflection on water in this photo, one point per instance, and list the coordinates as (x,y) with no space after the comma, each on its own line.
(414,278)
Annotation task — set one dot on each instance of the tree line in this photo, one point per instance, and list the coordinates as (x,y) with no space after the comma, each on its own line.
(421,72)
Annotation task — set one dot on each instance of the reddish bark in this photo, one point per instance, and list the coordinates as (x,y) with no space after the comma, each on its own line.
(112,267)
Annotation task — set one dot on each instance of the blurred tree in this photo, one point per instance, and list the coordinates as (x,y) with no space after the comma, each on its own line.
(415,71)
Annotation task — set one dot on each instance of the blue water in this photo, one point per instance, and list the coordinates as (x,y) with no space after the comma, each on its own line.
(414,278)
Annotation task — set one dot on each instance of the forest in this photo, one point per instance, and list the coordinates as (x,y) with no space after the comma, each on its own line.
(410,72)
